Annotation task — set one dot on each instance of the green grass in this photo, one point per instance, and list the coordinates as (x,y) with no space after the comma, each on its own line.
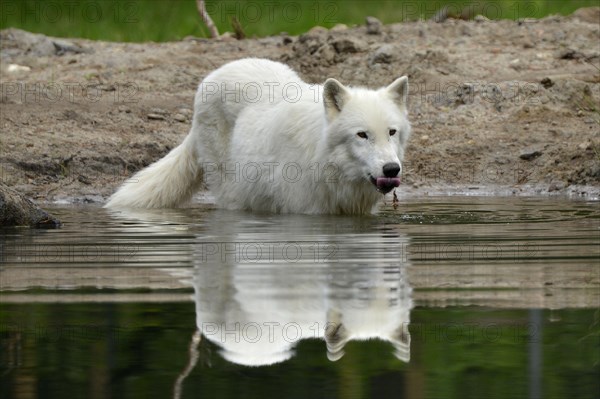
(165,20)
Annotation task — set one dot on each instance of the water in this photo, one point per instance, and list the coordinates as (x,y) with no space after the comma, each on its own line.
(439,298)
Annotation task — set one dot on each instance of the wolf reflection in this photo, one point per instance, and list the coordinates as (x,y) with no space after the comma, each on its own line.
(259,292)
(263,283)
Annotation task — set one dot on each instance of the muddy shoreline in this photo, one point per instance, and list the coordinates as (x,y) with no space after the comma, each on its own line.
(497,107)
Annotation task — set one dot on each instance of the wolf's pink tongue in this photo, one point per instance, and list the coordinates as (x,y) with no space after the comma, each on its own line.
(388,181)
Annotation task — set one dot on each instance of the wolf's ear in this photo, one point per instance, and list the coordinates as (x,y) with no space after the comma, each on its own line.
(336,335)
(398,91)
(401,340)
(335,95)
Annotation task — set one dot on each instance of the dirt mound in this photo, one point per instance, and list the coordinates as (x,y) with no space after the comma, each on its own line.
(496,106)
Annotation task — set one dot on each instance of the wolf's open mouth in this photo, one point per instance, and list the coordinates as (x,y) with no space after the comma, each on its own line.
(385,184)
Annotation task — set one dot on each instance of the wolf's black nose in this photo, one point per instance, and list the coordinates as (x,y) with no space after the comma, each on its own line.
(391,169)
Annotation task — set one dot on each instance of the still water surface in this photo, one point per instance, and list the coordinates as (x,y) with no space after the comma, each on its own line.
(439,298)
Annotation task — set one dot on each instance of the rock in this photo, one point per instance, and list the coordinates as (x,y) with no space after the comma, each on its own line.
(555,186)
(63,47)
(348,45)
(465,94)
(547,83)
(185,111)
(91,199)
(16,210)
(528,155)
(310,42)
(158,111)
(26,43)
(227,36)
(528,44)
(585,146)
(326,54)
(515,64)
(83,179)
(373,26)
(570,54)
(588,14)
(339,28)
(156,117)
(180,118)
(383,55)
(106,87)
(316,31)
(17,68)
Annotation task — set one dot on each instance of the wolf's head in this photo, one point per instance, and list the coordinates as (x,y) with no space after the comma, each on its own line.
(367,131)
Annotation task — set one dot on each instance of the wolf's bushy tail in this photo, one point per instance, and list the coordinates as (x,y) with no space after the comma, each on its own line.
(167,183)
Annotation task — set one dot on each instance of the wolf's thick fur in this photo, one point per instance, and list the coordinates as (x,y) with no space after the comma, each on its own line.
(264,140)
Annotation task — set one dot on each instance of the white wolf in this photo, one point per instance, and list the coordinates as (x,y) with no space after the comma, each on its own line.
(264,140)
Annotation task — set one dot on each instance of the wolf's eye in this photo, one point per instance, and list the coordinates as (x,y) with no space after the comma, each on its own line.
(362,135)
(392,132)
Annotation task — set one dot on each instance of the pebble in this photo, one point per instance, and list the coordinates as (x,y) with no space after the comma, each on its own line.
(156,117)
(373,26)
(63,46)
(158,111)
(180,118)
(17,68)
(528,155)
(106,87)
(185,111)
(570,54)
(547,82)
(584,146)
